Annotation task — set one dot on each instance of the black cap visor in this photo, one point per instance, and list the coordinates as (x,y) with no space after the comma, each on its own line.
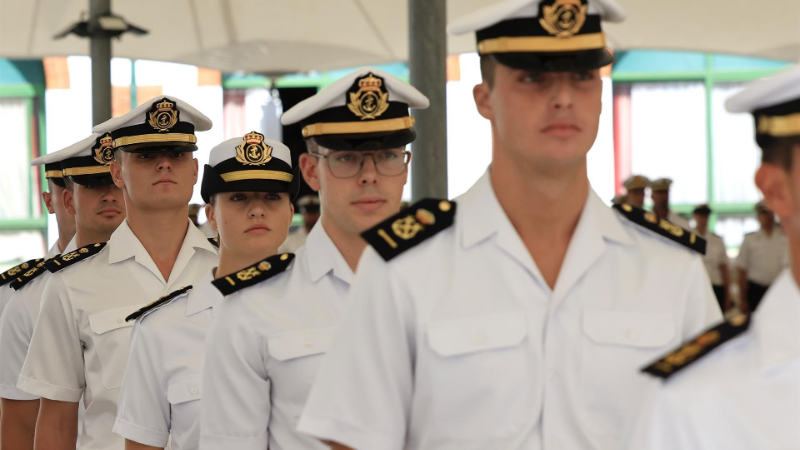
(367,141)
(557,61)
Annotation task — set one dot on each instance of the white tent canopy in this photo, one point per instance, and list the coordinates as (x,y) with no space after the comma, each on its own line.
(278,36)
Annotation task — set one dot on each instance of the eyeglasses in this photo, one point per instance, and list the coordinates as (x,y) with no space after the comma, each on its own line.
(348,164)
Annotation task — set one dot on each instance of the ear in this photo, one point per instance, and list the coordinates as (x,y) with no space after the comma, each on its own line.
(68,198)
(212,219)
(196,170)
(47,198)
(116,174)
(774,183)
(482,93)
(308,165)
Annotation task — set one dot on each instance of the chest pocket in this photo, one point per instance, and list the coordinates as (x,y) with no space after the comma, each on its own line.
(186,389)
(481,375)
(112,336)
(617,344)
(182,395)
(298,344)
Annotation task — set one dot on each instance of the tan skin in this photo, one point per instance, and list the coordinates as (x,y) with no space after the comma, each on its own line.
(635,197)
(251,226)
(767,221)
(54,203)
(560,113)
(156,188)
(97,212)
(660,203)
(702,227)
(352,205)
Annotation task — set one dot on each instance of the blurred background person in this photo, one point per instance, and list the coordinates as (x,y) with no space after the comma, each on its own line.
(715,259)
(761,258)
(308,206)
(619,199)
(205,227)
(635,186)
(660,195)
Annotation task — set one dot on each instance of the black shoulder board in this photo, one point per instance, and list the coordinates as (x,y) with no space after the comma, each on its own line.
(161,301)
(695,349)
(68,259)
(29,275)
(214,242)
(11,274)
(254,274)
(410,227)
(663,227)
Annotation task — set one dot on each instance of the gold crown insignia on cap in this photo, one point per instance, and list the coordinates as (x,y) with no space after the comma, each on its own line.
(371,100)
(164,117)
(104,152)
(253,151)
(563,18)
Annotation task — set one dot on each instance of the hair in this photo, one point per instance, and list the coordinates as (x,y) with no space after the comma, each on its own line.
(312,146)
(779,151)
(488,67)
(69,184)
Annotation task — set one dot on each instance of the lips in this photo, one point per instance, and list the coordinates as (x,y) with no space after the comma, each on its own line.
(257,229)
(370,203)
(561,128)
(164,181)
(109,211)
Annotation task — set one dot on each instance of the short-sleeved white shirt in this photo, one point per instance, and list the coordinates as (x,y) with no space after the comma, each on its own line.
(459,343)
(265,348)
(745,395)
(162,388)
(16,329)
(678,220)
(762,256)
(6,291)
(81,340)
(714,257)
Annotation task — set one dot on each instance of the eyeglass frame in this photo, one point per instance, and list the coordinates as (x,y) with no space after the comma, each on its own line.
(371,153)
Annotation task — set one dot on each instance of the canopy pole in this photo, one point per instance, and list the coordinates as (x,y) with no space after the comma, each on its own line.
(100,51)
(427,44)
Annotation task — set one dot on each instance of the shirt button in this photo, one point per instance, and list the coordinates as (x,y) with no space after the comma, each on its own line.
(551,375)
(193,391)
(309,344)
(119,321)
(553,443)
(632,335)
(480,338)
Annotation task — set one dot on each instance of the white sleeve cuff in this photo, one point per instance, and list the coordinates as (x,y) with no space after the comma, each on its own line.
(334,430)
(12,393)
(49,391)
(136,433)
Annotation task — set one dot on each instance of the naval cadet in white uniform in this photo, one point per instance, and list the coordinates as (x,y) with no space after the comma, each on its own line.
(269,339)
(248,187)
(737,386)
(98,207)
(80,343)
(659,192)
(514,317)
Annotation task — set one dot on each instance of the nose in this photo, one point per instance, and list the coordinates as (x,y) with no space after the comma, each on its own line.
(369,171)
(563,94)
(164,162)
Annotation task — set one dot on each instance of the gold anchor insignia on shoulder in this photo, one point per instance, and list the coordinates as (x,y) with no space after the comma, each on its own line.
(563,18)
(164,117)
(253,151)
(406,227)
(247,274)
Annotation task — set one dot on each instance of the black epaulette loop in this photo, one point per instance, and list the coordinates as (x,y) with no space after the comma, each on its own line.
(410,226)
(693,350)
(158,303)
(254,274)
(11,274)
(663,227)
(68,259)
(30,275)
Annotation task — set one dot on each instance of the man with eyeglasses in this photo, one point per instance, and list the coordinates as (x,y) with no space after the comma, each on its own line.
(264,364)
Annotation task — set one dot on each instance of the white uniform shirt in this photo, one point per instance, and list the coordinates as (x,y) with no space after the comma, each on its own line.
(294,241)
(6,291)
(762,256)
(163,384)
(678,220)
(460,344)
(714,257)
(265,348)
(16,329)
(745,395)
(80,342)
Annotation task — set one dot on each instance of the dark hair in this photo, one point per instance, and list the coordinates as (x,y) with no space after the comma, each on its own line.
(488,67)
(779,151)
(312,146)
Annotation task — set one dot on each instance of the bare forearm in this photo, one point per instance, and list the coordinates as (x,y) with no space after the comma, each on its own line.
(131,445)
(335,446)
(57,426)
(18,425)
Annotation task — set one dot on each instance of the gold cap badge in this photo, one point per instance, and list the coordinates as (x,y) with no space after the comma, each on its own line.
(563,18)
(164,117)
(371,100)
(253,151)
(104,153)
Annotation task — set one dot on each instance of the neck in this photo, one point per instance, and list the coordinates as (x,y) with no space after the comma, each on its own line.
(161,234)
(88,237)
(661,212)
(63,241)
(701,230)
(768,230)
(230,262)
(350,245)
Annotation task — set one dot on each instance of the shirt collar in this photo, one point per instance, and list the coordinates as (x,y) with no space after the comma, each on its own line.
(776,324)
(324,257)
(203,295)
(54,250)
(71,246)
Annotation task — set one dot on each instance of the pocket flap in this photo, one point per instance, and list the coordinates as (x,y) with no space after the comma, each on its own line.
(185,389)
(297,344)
(629,328)
(112,319)
(473,334)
